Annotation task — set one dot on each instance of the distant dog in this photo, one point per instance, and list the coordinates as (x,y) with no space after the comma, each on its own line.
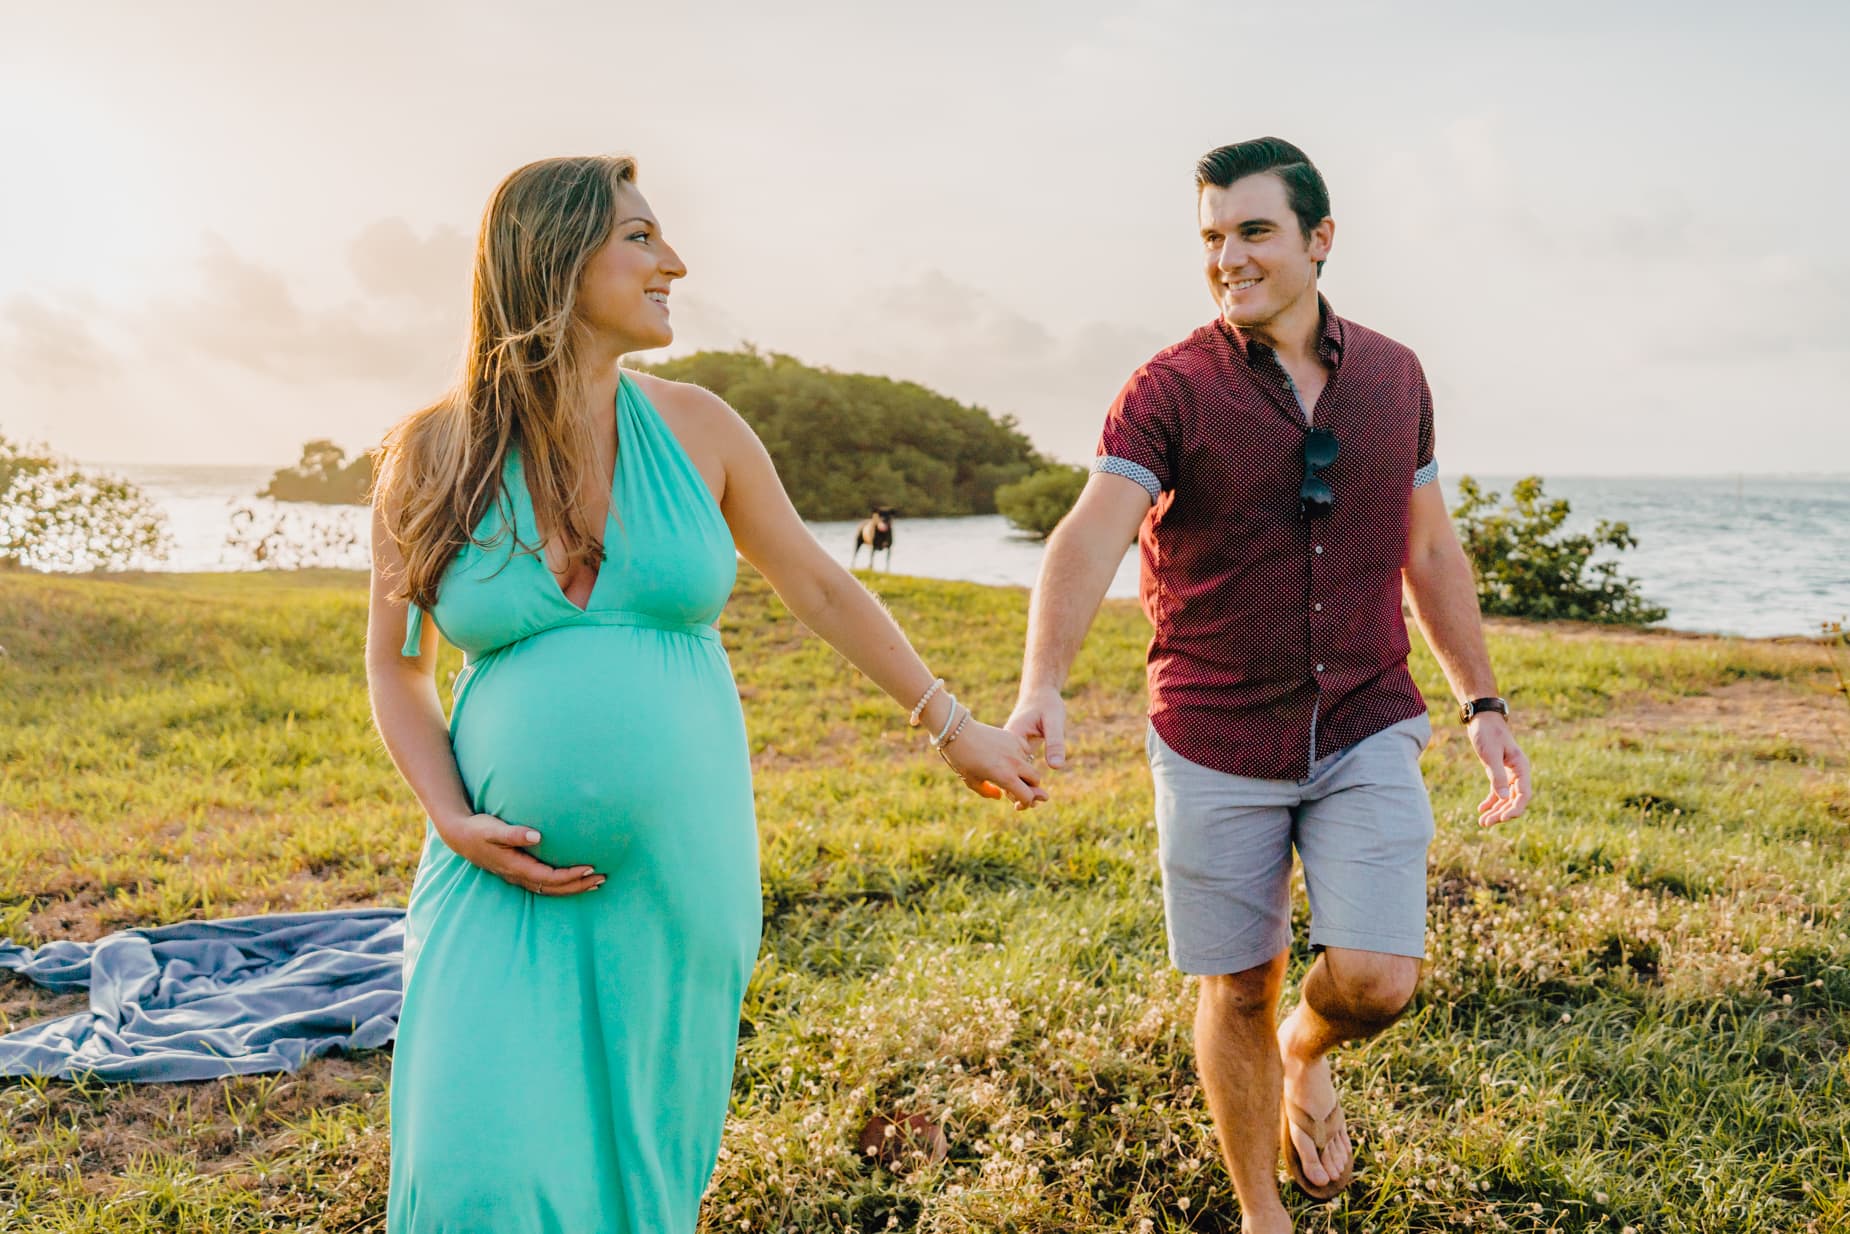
(876,533)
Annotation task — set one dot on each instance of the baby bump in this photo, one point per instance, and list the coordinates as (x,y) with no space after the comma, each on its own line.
(625,749)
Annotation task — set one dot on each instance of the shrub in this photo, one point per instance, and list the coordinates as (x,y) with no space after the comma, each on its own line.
(1037,504)
(56,516)
(277,540)
(1527,566)
(323,474)
(844,442)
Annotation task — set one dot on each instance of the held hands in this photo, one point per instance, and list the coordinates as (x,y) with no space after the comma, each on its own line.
(1511,781)
(500,848)
(993,761)
(1041,716)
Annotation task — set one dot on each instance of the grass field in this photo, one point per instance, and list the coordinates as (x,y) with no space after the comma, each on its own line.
(1635,1016)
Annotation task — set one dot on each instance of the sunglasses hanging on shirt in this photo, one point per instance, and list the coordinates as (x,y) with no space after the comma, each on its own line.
(1315,494)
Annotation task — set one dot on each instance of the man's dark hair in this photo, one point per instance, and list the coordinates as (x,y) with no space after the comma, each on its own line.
(1304,187)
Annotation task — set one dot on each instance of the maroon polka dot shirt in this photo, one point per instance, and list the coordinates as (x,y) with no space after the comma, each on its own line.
(1278,637)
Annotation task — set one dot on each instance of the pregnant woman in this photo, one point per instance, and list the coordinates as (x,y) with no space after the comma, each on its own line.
(586,911)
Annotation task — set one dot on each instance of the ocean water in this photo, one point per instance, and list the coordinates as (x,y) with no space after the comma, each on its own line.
(1753,555)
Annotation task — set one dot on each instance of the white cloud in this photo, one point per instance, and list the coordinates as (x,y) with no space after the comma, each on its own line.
(1595,225)
(246,314)
(975,346)
(54,346)
(389,259)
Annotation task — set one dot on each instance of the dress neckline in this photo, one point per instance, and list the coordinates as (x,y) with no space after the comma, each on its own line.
(616,474)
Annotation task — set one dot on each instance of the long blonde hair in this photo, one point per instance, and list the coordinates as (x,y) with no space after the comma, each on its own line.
(440,467)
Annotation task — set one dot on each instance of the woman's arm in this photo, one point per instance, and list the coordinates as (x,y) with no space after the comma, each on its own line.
(410,720)
(829,600)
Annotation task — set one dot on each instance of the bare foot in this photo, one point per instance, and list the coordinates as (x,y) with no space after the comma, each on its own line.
(1308,1085)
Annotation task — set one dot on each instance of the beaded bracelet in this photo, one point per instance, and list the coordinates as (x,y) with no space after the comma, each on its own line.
(937,684)
(953,737)
(948,721)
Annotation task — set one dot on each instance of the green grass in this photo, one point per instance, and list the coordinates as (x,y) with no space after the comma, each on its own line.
(1636,1011)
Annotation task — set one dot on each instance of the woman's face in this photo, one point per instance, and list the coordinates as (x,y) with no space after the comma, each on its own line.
(623,293)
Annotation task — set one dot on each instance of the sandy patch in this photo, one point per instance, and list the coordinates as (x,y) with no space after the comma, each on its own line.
(1776,719)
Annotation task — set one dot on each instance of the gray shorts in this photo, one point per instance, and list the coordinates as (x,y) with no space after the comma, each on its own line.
(1360,821)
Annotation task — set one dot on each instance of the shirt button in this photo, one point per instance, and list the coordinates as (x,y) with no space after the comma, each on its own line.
(1317,608)
(1318,549)
(1320,668)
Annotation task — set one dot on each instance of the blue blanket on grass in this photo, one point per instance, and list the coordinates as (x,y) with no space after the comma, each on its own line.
(198,1000)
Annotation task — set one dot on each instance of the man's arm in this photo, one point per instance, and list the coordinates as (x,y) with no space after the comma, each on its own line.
(1082,556)
(1438,584)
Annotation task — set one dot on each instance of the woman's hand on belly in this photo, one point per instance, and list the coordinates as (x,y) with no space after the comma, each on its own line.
(484,840)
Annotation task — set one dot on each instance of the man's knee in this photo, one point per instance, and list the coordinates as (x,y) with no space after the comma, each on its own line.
(1247,994)
(1376,991)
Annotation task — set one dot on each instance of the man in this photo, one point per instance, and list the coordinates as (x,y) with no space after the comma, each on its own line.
(1279,462)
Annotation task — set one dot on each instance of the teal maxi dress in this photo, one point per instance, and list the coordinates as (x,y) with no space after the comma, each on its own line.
(563,1064)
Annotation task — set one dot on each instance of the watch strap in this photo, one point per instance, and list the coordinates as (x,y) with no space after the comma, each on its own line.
(1478,706)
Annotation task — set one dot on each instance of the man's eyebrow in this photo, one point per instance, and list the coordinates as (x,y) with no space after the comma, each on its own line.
(1242,225)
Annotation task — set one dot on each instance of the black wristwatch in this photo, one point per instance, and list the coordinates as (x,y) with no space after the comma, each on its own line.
(1478,706)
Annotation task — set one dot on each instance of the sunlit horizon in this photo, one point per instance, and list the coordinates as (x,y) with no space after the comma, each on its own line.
(1592,225)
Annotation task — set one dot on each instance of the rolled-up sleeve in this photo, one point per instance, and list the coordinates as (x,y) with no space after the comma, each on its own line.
(1140,434)
(1427,468)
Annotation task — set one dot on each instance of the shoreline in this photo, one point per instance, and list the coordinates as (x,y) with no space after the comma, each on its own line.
(1754,564)
(1512,625)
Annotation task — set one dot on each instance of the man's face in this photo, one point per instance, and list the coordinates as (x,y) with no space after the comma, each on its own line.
(1259,263)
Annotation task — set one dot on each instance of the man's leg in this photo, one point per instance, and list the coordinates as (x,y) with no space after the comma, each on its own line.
(1236,1049)
(1225,844)
(1362,834)
(1347,996)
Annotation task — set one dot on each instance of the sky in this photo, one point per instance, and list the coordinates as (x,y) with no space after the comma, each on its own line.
(1613,232)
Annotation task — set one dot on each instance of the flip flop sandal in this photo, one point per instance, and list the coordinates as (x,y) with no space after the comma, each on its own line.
(1321,1131)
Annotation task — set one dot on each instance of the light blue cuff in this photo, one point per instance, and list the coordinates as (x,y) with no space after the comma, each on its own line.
(1130,471)
(1426,475)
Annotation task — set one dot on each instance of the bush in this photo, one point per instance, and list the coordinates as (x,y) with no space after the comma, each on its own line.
(1037,504)
(323,474)
(1527,566)
(56,516)
(846,442)
(278,540)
